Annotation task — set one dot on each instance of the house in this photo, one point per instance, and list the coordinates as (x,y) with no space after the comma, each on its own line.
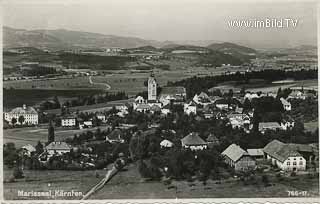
(139,100)
(165,110)
(116,136)
(58,147)
(264,126)
(28,149)
(286,105)
(238,158)
(256,153)
(222,104)
(212,140)
(85,124)
(190,108)
(239,120)
(202,99)
(193,142)
(284,156)
(166,143)
(143,108)
(296,94)
(68,121)
(101,117)
(29,114)
(251,96)
(287,123)
(176,92)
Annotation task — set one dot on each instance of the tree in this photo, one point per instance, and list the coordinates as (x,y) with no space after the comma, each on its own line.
(13,121)
(50,133)
(21,119)
(39,148)
(17,173)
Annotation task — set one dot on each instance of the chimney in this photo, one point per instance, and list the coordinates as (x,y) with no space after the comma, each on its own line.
(24,107)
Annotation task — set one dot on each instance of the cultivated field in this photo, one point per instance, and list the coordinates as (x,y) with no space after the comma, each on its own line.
(31,135)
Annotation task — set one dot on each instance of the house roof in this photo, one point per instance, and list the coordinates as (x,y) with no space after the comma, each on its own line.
(234,152)
(212,138)
(155,108)
(284,101)
(58,146)
(280,150)
(143,106)
(166,143)
(269,125)
(255,152)
(192,139)
(203,95)
(115,135)
(25,110)
(173,90)
(29,148)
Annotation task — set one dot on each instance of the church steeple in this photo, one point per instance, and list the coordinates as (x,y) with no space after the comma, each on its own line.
(152,88)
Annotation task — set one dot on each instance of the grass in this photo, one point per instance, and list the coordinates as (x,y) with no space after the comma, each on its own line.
(311,126)
(31,135)
(128,184)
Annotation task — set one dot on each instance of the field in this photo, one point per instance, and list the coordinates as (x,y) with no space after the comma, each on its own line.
(31,135)
(54,84)
(311,126)
(128,184)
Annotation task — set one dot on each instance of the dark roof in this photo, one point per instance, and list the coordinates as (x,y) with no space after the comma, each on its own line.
(173,90)
(234,152)
(192,139)
(115,135)
(280,150)
(213,139)
(58,146)
(255,152)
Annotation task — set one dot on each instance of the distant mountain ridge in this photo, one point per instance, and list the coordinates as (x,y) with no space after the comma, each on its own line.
(65,39)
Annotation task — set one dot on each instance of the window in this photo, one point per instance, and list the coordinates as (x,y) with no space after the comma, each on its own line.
(288,163)
(300,158)
(294,158)
(294,163)
(301,163)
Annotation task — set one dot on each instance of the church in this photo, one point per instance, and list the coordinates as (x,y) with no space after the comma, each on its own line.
(160,100)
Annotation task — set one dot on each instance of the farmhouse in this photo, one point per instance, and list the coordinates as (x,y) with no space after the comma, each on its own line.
(29,114)
(286,105)
(190,108)
(58,147)
(116,136)
(269,126)
(28,149)
(202,99)
(238,158)
(166,143)
(193,142)
(256,153)
(287,123)
(284,156)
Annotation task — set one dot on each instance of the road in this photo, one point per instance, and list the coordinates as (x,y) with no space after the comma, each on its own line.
(108,87)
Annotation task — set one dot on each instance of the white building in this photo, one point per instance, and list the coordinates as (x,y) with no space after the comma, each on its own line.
(286,104)
(190,108)
(29,114)
(264,126)
(68,121)
(58,148)
(284,156)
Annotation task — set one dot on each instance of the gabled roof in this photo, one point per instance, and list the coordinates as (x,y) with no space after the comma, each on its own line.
(203,95)
(173,90)
(115,135)
(58,146)
(192,139)
(269,125)
(255,152)
(234,152)
(284,101)
(166,143)
(280,150)
(212,139)
(29,148)
(143,106)
(21,110)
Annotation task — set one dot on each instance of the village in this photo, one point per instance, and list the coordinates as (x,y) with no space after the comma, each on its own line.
(210,135)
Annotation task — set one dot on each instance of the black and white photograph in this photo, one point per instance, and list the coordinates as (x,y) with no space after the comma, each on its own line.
(159,99)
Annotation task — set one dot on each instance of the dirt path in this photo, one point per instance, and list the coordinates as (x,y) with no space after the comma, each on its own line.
(108,87)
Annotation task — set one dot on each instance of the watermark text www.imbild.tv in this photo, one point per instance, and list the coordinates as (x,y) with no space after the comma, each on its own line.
(264,23)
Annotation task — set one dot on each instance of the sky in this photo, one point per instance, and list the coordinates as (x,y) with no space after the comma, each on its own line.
(173,20)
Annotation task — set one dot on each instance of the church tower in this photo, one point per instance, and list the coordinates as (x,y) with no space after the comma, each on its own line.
(152,88)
